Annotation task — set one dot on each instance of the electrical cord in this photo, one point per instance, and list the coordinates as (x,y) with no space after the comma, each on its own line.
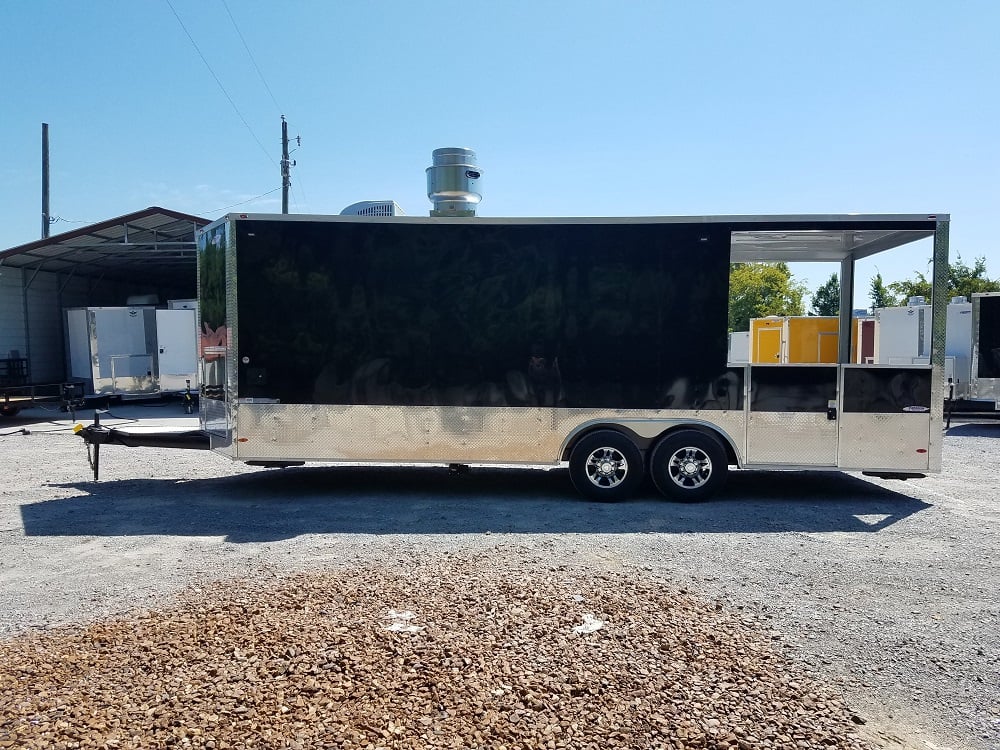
(19,431)
(125,420)
(26,431)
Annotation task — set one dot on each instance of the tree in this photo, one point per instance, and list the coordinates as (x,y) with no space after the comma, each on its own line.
(963,280)
(919,286)
(966,281)
(879,295)
(757,290)
(826,299)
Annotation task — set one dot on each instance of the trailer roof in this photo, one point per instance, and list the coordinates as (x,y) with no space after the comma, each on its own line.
(160,243)
(151,243)
(788,238)
(798,245)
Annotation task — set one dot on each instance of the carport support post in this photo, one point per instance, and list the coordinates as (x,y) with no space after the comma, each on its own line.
(25,307)
(45,180)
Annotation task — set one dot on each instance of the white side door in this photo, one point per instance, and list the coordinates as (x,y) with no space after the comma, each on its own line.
(177,349)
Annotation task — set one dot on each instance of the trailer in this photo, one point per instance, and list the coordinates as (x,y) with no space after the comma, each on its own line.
(794,339)
(596,344)
(864,340)
(18,391)
(739,347)
(134,351)
(971,348)
(816,339)
(984,376)
(903,334)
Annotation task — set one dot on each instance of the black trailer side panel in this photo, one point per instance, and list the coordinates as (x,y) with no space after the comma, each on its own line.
(462,314)
(988,338)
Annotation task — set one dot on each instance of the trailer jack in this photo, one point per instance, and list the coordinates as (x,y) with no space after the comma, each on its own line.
(97,435)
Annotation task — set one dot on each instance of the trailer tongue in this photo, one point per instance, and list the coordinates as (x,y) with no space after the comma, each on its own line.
(97,435)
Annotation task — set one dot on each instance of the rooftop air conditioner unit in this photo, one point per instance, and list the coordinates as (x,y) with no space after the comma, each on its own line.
(373,208)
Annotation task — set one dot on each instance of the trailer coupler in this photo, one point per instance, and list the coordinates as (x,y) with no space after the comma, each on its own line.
(97,435)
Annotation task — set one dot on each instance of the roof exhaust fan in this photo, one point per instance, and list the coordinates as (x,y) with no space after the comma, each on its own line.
(453,182)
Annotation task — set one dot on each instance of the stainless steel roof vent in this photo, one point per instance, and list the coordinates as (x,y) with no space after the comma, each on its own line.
(453,182)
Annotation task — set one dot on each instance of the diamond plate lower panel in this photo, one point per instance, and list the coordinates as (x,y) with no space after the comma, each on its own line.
(214,416)
(791,438)
(440,434)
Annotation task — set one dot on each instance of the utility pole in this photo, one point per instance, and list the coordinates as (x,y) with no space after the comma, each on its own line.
(286,177)
(286,164)
(45,181)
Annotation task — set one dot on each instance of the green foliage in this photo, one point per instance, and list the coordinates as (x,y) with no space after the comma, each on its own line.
(882,296)
(963,280)
(919,286)
(757,290)
(826,299)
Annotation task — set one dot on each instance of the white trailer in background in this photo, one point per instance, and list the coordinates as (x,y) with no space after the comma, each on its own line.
(111,350)
(958,349)
(971,367)
(739,347)
(903,334)
(132,352)
(176,349)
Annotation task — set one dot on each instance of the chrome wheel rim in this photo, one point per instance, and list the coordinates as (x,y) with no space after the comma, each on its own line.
(689,468)
(606,468)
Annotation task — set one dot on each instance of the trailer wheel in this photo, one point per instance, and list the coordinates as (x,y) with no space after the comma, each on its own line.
(9,411)
(688,466)
(606,465)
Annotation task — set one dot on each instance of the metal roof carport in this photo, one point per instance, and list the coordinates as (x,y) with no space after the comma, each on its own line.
(153,245)
(152,251)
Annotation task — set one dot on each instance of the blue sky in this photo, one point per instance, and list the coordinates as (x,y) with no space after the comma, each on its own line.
(586,108)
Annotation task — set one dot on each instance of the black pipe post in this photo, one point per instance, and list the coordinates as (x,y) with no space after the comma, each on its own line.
(46,221)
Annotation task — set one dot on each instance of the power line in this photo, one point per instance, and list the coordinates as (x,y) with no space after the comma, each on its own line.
(260,74)
(250,54)
(223,88)
(248,200)
(55,219)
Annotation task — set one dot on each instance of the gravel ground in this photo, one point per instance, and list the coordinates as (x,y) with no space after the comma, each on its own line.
(886,591)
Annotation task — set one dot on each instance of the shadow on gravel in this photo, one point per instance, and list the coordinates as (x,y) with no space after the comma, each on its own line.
(30,421)
(52,418)
(285,503)
(977,429)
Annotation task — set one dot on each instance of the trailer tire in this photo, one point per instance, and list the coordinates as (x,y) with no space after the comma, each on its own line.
(9,411)
(607,466)
(688,466)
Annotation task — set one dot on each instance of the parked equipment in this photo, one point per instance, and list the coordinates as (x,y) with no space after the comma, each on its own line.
(739,347)
(131,352)
(984,377)
(596,344)
(801,339)
(902,335)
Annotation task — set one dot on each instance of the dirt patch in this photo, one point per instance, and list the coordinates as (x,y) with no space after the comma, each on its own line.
(458,653)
